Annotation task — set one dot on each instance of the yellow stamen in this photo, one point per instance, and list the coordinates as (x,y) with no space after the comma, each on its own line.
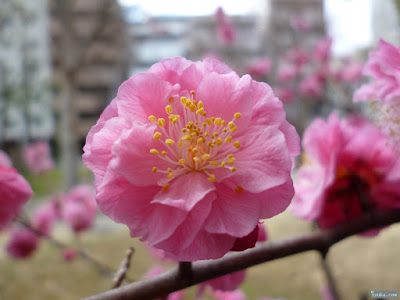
(223,164)
(236,144)
(168,109)
(217,121)
(164,153)
(237,115)
(228,139)
(157,135)
(212,178)
(154,151)
(181,161)
(199,140)
(233,129)
(196,159)
(169,142)
(209,121)
(200,104)
(192,92)
(205,156)
(214,163)
(152,118)
(170,175)
(200,111)
(161,122)
(233,169)
(231,125)
(154,169)
(165,187)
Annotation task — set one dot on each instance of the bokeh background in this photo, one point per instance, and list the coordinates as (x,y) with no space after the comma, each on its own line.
(61,62)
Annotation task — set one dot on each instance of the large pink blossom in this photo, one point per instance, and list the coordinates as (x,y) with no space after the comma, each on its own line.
(78,208)
(190,156)
(22,243)
(383,66)
(14,189)
(38,157)
(348,169)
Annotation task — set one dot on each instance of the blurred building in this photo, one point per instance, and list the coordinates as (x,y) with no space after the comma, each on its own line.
(25,98)
(385,21)
(89,49)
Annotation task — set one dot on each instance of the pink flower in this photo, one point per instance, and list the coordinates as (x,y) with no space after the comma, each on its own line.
(322,50)
(343,160)
(157,271)
(15,192)
(298,57)
(259,68)
(351,72)
(300,23)
(230,295)
(286,95)
(78,208)
(287,73)
(184,170)
(69,254)
(22,243)
(225,30)
(5,159)
(312,87)
(383,66)
(43,218)
(38,158)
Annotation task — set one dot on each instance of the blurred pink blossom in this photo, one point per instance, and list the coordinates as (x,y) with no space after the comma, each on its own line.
(22,242)
(69,254)
(38,157)
(78,208)
(351,72)
(285,94)
(225,29)
(15,192)
(43,218)
(343,159)
(287,73)
(312,87)
(383,66)
(259,68)
(192,206)
(229,295)
(298,57)
(322,50)
(5,159)
(300,23)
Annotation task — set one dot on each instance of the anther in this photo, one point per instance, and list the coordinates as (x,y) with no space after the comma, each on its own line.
(237,115)
(239,189)
(170,175)
(212,178)
(154,169)
(236,144)
(168,109)
(157,135)
(152,118)
(169,142)
(161,122)
(228,139)
(154,151)
(165,187)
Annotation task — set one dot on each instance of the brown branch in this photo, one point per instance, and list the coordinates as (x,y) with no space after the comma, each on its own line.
(319,240)
(123,269)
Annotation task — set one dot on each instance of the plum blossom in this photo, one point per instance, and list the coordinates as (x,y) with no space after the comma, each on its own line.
(22,243)
(383,66)
(69,254)
(38,157)
(348,169)
(44,217)
(225,29)
(14,189)
(322,50)
(259,68)
(190,157)
(78,208)
(229,295)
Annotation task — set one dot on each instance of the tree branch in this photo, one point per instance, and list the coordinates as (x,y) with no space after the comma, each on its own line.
(320,240)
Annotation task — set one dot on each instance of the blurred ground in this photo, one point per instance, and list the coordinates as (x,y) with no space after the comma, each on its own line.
(359,264)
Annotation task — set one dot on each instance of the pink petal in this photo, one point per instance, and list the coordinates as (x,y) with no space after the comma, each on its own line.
(186,191)
(231,213)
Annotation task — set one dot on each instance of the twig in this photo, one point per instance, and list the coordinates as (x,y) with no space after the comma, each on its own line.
(329,277)
(319,240)
(123,269)
(101,268)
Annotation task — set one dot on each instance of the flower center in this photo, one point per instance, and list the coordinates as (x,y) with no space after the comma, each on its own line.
(194,141)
